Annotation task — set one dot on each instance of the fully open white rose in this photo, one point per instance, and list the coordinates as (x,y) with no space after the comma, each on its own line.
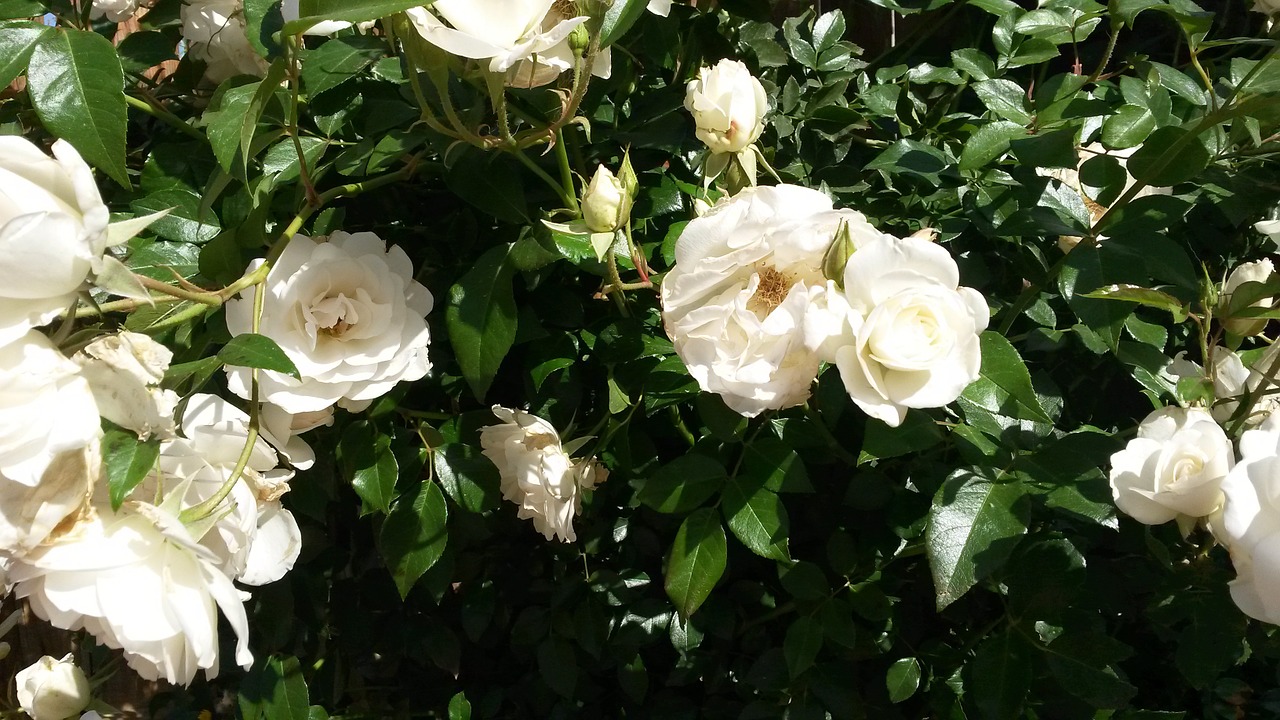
(217,33)
(117,11)
(350,316)
(29,514)
(137,580)
(1174,468)
(46,407)
(728,105)
(52,689)
(736,302)
(913,331)
(124,371)
(1250,522)
(1259,271)
(536,472)
(53,229)
(504,32)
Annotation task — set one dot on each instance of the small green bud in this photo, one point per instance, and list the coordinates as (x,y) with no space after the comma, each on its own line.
(838,254)
(579,40)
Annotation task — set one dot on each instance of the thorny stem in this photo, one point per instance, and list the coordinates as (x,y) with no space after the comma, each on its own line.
(291,127)
(1106,56)
(567,197)
(566,173)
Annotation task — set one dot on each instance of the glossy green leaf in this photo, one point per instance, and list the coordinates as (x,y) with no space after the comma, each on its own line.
(1128,127)
(1168,157)
(338,60)
(257,351)
(127,461)
(1005,98)
(683,484)
(757,517)
(469,478)
(619,18)
(903,679)
(481,318)
(17,39)
(369,464)
(76,85)
(1142,296)
(973,526)
(988,143)
(459,707)
(1004,385)
(1000,676)
(275,690)
(802,644)
(414,534)
(697,560)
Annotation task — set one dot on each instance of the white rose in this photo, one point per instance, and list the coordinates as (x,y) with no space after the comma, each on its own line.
(52,689)
(1173,469)
(350,316)
(282,429)
(1250,522)
(1270,228)
(217,33)
(277,542)
(1232,381)
(728,104)
(137,581)
(124,371)
(526,39)
(536,473)
(289,11)
(659,7)
(1270,7)
(603,201)
(1258,271)
(29,514)
(53,232)
(1071,178)
(913,337)
(117,11)
(46,407)
(735,304)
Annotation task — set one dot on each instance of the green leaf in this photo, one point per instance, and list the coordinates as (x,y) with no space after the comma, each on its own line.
(619,18)
(257,351)
(470,479)
(275,690)
(127,461)
(989,142)
(24,9)
(459,708)
(186,221)
(414,535)
(909,157)
(1128,127)
(1006,99)
(263,19)
(757,517)
(232,124)
(558,666)
(1000,676)
(976,63)
(338,60)
(1004,385)
(141,51)
(1081,663)
(903,679)
(683,484)
(17,40)
(1160,164)
(828,29)
(76,85)
(917,432)
(353,11)
(481,318)
(973,526)
(802,644)
(369,464)
(491,182)
(697,560)
(1142,296)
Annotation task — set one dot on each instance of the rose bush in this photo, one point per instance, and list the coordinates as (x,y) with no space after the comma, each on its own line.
(760,384)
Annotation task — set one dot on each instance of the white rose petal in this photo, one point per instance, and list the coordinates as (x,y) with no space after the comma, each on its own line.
(536,473)
(46,407)
(350,316)
(1174,467)
(52,689)
(276,545)
(29,514)
(117,11)
(728,105)
(1232,381)
(1250,523)
(737,303)
(137,581)
(124,371)
(1258,271)
(217,33)
(914,339)
(1270,228)
(659,7)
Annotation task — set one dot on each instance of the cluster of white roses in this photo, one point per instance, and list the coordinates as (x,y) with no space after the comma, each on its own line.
(1182,466)
(755,305)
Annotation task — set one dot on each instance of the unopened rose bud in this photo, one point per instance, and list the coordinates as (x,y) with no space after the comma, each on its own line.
(52,689)
(580,40)
(1260,271)
(604,202)
(728,105)
(838,254)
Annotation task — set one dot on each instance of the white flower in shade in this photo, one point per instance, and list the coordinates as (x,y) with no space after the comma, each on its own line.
(728,105)
(217,33)
(117,11)
(537,473)
(913,333)
(46,407)
(124,371)
(659,7)
(1270,7)
(277,542)
(1071,178)
(737,302)
(1259,271)
(1270,228)
(504,32)
(1233,382)
(1173,469)
(136,580)
(52,689)
(53,232)
(29,514)
(350,316)
(1250,522)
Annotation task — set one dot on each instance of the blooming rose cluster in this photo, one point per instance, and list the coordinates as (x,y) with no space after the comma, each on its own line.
(1182,466)
(755,304)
